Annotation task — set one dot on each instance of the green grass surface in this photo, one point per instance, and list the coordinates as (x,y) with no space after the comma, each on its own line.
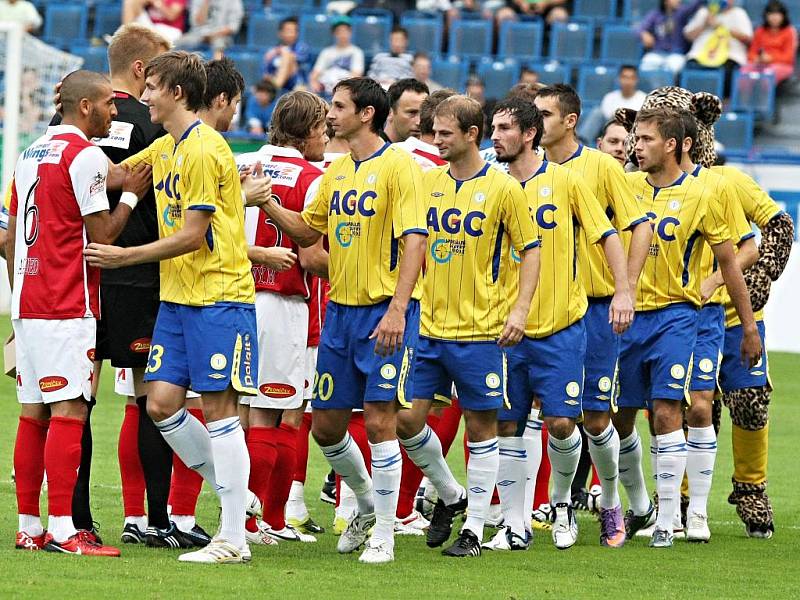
(731,566)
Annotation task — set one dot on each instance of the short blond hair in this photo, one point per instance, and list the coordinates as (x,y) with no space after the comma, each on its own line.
(134,42)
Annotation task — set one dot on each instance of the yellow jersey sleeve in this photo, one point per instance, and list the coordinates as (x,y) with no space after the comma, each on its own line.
(516,217)
(200,175)
(712,225)
(625,210)
(145,155)
(594,222)
(408,209)
(315,215)
(7,197)
(757,205)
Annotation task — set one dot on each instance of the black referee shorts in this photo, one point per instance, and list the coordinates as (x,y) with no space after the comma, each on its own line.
(127,318)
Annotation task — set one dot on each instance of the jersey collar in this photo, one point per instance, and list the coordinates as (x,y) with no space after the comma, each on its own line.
(189,130)
(380,151)
(696,171)
(63,129)
(678,181)
(481,173)
(280,151)
(575,154)
(542,168)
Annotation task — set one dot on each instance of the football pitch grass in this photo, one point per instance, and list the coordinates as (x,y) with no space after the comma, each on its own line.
(731,566)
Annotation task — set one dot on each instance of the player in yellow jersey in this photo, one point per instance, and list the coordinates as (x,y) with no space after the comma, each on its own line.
(372,208)
(560,108)
(548,364)
(205,334)
(746,390)
(656,353)
(476,217)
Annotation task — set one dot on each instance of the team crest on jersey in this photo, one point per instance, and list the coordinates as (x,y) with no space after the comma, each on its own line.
(388,371)
(573,389)
(479,197)
(545,191)
(218,361)
(604,384)
(674,205)
(372,178)
(677,371)
(98,184)
(493,381)
(706,365)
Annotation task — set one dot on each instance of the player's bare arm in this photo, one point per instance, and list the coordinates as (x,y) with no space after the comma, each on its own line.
(314,259)
(276,258)
(388,335)
(188,239)
(620,313)
(734,280)
(11,239)
(528,280)
(641,237)
(105,226)
(746,257)
(291,223)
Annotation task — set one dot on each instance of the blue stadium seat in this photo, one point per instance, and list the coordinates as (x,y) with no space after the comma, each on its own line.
(597,10)
(498,76)
(703,80)
(65,24)
(620,44)
(262,29)
(250,63)
(107,19)
(754,92)
(594,82)
(634,11)
(551,72)
(450,72)
(371,33)
(315,30)
(95,58)
(424,33)
(470,38)
(295,7)
(571,42)
(735,132)
(755,10)
(521,39)
(655,78)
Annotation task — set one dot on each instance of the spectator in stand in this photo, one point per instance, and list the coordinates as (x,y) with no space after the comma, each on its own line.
(661,33)
(337,62)
(552,11)
(774,47)
(212,22)
(388,67)
(421,68)
(477,89)
(627,96)
(20,11)
(167,17)
(529,76)
(287,64)
(259,108)
(720,34)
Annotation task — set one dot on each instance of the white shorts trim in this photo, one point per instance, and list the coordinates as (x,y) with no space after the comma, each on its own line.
(123,384)
(311,373)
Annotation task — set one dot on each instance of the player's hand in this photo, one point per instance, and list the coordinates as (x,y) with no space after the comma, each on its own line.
(751,348)
(276,258)
(514,329)
(707,288)
(57,97)
(620,313)
(138,180)
(105,256)
(257,187)
(388,335)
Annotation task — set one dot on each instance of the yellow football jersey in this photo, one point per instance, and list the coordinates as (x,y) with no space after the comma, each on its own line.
(735,219)
(199,173)
(365,207)
(565,210)
(685,216)
(606,180)
(471,224)
(758,208)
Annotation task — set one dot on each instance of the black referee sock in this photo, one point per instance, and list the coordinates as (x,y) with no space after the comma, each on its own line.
(156,457)
(81,511)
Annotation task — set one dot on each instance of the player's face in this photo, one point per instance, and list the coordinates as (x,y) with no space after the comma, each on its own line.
(449,139)
(405,117)
(555,128)
(651,149)
(613,142)
(227,112)
(507,138)
(314,147)
(343,117)
(158,99)
(101,112)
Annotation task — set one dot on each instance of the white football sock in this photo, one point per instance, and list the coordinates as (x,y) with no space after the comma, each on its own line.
(61,528)
(701,446)
(604,450)
(347,460)
(140,522)
(671,466)
(32,525)
(533,447)
(564,456)
(184,522)
(653,458)
(232,467)
(484,460)
(387,465)
(347,502)
(296,505)
(631,475)
(425,450)
(189,439)
(512,476)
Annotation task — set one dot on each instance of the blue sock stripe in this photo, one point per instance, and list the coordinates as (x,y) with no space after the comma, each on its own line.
(672,449)
(342,450)
(480,450)
(420,444)
(630,447)
(224,430)
(603,440)
(514,452)
(385,463)
(569,450)
(535,425)
(702,445)
(174,425)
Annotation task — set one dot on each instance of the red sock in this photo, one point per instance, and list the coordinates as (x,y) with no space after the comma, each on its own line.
(280,483)
(130,467)
(29,464)
(448,425)
(263,456)
(542,493)
(62,457)
(186,483)
(595,478)
(301,464)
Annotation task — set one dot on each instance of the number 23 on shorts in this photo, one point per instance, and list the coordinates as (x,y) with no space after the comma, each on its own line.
(154,362)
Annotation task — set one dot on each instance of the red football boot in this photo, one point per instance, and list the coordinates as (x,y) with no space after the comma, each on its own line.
(81,543)
(30,542)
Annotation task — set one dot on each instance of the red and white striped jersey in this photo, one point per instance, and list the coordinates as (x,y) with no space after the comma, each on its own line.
(58,180)
(426,155)
(317,304)
(329,157)
(294,181)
